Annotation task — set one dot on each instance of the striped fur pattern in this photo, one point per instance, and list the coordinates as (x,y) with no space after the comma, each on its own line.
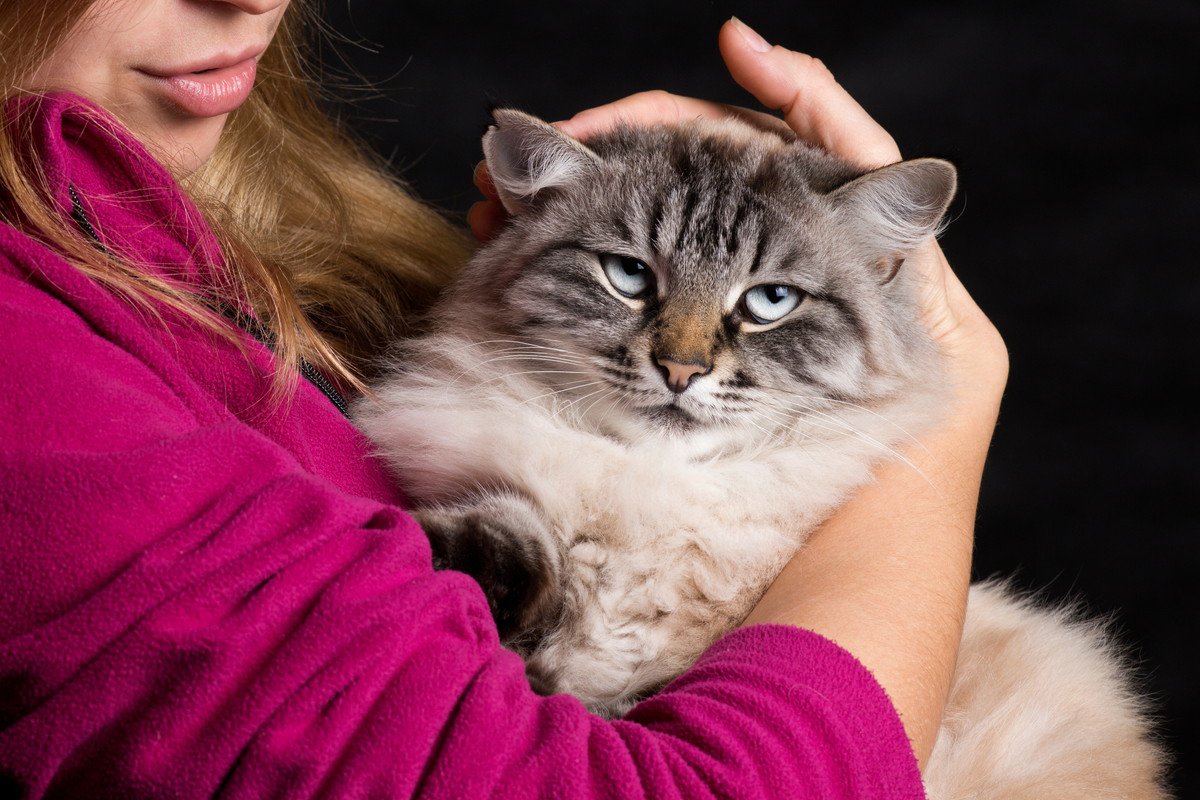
(617,439)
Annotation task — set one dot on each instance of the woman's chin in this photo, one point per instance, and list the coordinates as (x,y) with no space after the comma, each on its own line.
(182,142)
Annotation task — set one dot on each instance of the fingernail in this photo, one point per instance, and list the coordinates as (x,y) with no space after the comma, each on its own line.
(751,36)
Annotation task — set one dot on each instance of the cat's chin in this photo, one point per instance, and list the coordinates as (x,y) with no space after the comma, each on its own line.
(671,418)
(663,422)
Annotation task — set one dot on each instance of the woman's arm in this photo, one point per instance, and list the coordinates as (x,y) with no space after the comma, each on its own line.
(886,577)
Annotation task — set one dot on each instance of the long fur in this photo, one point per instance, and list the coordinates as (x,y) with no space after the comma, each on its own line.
(627,525)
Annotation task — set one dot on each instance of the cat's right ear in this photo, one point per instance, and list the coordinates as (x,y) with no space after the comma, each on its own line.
(527,157)
(892,209)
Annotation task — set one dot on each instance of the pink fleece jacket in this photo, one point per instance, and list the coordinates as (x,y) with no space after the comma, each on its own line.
(204,594)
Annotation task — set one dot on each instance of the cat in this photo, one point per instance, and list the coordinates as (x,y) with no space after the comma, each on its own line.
(688,346)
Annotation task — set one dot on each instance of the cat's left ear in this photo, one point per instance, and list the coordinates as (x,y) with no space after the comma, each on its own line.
(894,208)
(527,157)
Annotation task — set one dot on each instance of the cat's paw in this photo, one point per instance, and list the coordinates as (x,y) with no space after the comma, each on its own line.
(502,542)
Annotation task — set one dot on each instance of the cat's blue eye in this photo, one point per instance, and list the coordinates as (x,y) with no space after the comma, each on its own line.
(769,302)
(627,275)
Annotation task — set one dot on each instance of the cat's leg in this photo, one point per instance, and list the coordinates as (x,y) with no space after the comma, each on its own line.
(1041,708)
(503,541)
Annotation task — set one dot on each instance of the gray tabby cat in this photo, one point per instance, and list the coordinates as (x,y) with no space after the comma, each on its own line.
(686,349)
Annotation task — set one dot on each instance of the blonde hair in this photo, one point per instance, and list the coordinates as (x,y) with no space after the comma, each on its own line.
(331,251)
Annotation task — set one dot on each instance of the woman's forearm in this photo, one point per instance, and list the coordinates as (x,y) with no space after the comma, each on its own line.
(886,577)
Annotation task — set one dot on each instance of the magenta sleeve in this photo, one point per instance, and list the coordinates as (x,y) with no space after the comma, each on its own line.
(186,610)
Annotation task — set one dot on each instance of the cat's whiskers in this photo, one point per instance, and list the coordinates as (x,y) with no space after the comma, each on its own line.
(858,407)
(513,346)
(619,403)
(589,376)
(785,423)
(546,359)
(588,410)
(566,389)
(773,437)
(814,411)
(471,370)
(544,372)
(624,384)
(732,408)
(524,357)
(537,362)
(563,409)
(516,343)
(565,385)
(806,414)
(809,413)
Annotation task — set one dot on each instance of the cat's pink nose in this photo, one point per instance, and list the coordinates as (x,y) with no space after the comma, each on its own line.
(679,376)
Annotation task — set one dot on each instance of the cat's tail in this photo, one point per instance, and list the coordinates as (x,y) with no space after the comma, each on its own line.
(1042,707)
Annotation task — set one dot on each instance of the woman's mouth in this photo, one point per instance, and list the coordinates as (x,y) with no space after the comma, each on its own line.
(210,91)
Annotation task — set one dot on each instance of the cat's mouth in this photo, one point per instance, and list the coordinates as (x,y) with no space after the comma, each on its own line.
(672,416)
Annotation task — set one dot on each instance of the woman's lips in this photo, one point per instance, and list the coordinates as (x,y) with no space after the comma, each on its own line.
(211,92)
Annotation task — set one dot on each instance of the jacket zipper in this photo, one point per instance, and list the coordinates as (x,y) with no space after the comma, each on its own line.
(245,322)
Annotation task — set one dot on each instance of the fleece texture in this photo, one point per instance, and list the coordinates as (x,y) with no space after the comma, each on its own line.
(204,593)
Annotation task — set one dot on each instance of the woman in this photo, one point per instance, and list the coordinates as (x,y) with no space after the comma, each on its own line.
(208,588)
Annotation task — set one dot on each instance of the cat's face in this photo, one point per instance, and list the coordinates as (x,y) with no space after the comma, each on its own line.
(683,278)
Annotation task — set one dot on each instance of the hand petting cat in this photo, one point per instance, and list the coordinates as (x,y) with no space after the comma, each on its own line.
(868,578)
(820,111)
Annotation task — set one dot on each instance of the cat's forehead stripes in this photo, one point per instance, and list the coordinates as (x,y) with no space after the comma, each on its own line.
(708,201)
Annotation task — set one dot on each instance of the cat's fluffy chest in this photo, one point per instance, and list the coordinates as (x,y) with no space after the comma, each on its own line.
(660,544)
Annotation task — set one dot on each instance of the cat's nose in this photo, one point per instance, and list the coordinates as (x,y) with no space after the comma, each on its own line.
(679,375)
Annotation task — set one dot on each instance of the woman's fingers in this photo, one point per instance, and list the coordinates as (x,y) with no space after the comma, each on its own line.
(659,108)
(812,102)
(644,108)
(485,219)
(483,181)
(487,216)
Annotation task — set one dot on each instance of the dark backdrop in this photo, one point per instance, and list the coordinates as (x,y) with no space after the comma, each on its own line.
(1074,128)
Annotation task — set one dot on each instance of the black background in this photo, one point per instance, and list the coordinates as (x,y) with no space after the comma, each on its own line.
(1074,129)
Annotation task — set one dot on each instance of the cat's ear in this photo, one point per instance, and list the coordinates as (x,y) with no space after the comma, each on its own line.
(893,208)
(527,157)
